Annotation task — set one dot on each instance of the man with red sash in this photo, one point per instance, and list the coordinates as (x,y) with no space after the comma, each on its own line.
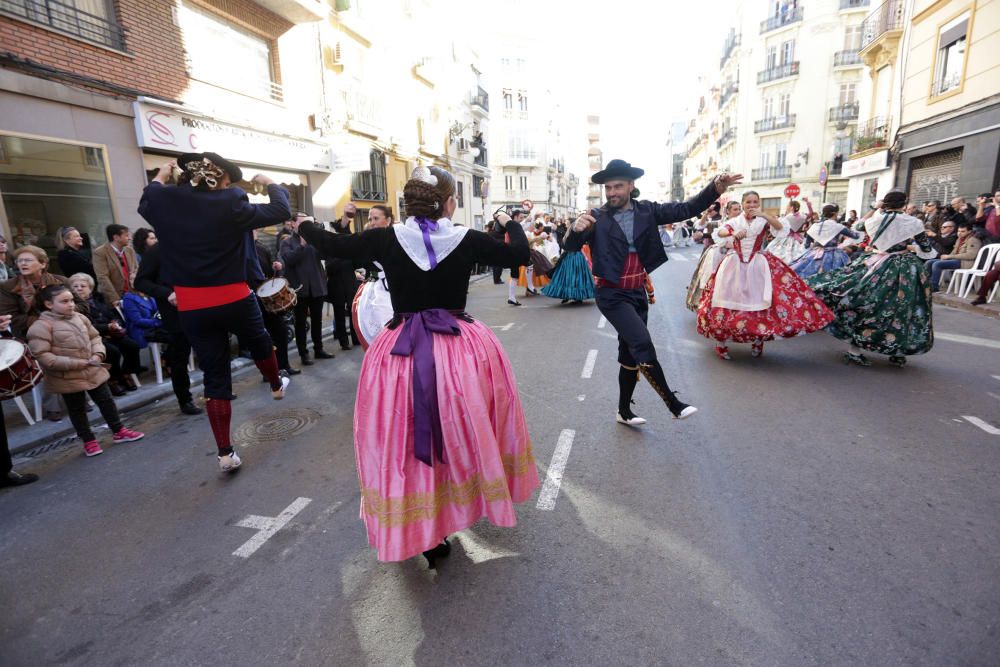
(625,247)
(203,226)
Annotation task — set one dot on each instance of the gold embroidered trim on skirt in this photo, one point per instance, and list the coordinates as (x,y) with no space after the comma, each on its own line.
(516,465)
(414,507)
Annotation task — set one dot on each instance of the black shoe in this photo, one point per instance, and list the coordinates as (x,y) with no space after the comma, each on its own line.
(14,478)
(440,551)
(323,354)
(513,302)
(305,359)
(115,388)
(190,408)
(291,371)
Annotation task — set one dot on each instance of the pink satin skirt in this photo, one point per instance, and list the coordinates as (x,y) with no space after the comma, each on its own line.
(408,506)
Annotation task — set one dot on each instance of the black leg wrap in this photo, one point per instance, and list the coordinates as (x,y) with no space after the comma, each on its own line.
(627,379)
(654,375)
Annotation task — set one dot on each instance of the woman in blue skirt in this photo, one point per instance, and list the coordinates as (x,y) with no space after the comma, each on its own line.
(823,253)
(571,279)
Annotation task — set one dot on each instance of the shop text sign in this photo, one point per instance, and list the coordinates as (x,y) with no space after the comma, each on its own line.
(866,164)
(172,130)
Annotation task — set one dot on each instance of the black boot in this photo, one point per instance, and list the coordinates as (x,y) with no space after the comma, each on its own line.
(440,551)
(627,379)
(654,375)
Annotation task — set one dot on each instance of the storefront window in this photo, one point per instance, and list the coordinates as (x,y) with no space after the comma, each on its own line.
(46,185)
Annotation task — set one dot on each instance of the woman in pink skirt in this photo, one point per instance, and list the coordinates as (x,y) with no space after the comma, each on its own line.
(439,432)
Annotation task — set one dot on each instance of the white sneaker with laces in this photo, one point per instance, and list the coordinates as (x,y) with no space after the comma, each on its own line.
(279,394)
(229,462)
(631,421)
(686,412)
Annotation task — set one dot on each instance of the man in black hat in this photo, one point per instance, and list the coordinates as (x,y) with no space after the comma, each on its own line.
(203,226)
(625,247)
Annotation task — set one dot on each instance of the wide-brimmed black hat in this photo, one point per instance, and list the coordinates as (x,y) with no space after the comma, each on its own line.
(617,170)
(235,173)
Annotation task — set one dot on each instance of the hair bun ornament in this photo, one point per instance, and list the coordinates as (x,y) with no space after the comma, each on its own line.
(424,174)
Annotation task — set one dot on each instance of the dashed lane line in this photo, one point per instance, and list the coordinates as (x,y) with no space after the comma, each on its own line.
(588,365)
(976,421)
(601,323)
(267,526)
(553,480)
(968,340)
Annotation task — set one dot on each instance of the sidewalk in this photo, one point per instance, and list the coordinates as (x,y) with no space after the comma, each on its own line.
(987,310)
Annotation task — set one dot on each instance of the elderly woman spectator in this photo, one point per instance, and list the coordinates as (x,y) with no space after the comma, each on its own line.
(121,351)
(18,299)
(143,238)
(73,255)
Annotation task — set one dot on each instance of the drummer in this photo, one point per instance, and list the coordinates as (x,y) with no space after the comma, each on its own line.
(261,268)
(9,476)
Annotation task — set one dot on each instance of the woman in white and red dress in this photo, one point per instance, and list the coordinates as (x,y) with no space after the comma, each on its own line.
(439,432)
(753,296)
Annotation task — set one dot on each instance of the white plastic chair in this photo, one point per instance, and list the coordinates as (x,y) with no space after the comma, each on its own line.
(967,277)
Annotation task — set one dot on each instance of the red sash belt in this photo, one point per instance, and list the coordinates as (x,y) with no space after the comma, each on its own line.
(196,298)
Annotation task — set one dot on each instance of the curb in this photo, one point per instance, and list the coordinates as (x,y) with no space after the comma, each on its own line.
(988,310)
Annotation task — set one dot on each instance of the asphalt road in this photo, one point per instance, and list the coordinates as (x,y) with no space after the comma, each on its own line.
(811,514)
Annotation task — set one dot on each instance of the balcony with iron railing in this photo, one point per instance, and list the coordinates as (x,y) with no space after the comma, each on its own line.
(728,92)
(778,173)
(853,4)
(844,113)
(787,17)
(732,41)
(481,158)
(481,99)
(946,83)
(884,21)
(727,137)
(846,58)
(66,18)
(774,123)
(778,72)
(872,135)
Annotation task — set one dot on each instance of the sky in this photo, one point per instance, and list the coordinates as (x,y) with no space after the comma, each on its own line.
(635,63)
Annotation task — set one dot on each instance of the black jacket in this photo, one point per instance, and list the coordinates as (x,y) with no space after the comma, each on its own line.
(149,280)
(609,247)
(303,267)
(75,261)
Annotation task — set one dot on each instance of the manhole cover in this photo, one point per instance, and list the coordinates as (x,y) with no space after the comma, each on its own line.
(276,426)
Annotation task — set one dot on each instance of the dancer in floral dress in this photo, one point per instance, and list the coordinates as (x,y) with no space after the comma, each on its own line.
(753,296)
(789,242)
(711,258)
(882,300)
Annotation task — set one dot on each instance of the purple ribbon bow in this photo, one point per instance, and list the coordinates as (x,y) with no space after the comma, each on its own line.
(426,227)
(416,340)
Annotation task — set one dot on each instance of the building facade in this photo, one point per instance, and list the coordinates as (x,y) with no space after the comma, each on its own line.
(782,106)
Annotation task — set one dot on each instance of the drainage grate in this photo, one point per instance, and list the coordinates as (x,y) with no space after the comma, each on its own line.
(275,427)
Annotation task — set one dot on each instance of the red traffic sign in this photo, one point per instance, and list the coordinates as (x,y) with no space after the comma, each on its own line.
(823,174)
(527,204)
(792,191)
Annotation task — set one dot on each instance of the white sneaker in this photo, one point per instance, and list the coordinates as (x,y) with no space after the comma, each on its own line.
(631,421)
(229,462)
(279,394)
(686,412)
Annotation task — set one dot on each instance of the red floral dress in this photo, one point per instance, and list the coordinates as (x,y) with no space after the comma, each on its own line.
(790,309)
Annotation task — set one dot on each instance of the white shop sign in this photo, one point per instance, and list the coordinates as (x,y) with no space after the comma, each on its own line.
(168,129)
(866,164)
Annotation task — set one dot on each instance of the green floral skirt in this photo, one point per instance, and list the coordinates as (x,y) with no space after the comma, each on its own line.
(881,303)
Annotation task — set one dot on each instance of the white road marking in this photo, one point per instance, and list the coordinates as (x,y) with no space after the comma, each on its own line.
(996,377)
(996,396)
(968,340)
(550,490)
(581,397)
(603,321)
(507,327)
(267,526)
(976,421)
(681,258)
(588,366)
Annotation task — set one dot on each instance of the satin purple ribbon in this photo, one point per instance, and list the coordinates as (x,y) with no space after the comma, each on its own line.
(416,339)
(426,227)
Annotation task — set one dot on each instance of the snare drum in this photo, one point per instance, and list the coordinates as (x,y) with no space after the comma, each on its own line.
(277,296)
(371,310)
(19,371)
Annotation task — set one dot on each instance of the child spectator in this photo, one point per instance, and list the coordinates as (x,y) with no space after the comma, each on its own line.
(70,352)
